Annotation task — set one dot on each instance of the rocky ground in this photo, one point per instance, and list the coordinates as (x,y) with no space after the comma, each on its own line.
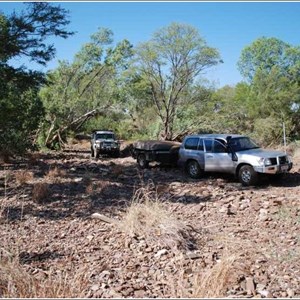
(243,241)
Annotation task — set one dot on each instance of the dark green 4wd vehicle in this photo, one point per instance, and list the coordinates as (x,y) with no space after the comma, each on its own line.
(104,142)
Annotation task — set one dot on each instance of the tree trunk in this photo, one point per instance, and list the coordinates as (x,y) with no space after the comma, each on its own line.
(168,130)
(56,137)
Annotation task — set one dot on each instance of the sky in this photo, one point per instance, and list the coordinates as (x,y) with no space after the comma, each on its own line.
(227,26)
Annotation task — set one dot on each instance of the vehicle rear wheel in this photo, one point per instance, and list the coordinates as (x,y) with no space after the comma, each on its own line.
(193,169)
(247,175)
(142,161)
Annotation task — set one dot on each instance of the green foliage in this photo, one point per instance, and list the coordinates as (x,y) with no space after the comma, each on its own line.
(269,131)
(20,112)
(272,68)
(84,89)
(25,34)
(169,63)
(265,53)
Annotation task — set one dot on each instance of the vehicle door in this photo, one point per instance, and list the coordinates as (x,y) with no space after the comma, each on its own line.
(217,157)
(193,149)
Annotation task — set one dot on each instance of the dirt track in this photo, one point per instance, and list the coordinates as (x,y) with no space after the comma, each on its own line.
(255,230)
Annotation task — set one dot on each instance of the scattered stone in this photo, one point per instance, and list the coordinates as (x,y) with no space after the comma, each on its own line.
(250,287)
(263,214)
(290,293)
(160,253)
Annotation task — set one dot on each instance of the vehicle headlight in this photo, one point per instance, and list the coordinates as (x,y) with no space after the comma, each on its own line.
(267,162)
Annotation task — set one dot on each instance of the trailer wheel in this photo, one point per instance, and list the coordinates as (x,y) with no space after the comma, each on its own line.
(142,161)
(193,169)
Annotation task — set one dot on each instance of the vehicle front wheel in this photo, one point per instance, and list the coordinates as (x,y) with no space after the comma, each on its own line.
(142,161)
(247,175)
(193,169)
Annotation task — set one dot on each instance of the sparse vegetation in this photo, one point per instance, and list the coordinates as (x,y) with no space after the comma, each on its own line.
(41,192)
(215,282)
(23,176)
(160,239)
(54,175)
(151,90)
(17,282)
(148,216)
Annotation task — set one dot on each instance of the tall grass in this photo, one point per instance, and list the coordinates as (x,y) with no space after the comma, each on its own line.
(148,217)
(17,282)
(214,282)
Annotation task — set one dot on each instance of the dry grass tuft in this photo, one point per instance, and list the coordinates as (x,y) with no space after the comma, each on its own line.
(23,176)
(33,158)
(91,188)
(148,217)
(94,186)
(55,174)
(117,170)
(40,192)
(17,282)
(215,282)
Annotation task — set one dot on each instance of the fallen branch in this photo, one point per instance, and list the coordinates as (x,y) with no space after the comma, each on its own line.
(104,218)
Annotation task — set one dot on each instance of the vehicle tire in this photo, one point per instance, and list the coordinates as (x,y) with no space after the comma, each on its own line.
(142,161)
(193,169)
(97,154)
(247,175)
(92,152)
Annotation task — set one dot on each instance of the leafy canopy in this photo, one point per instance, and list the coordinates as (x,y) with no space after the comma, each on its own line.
(25,34)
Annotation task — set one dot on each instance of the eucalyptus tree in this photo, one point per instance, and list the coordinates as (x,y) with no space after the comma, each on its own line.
(85,88)
(24,35)
(272,68)
(170,62)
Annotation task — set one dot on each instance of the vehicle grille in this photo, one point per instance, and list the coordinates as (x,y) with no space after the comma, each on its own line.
(273,161)
(282,160)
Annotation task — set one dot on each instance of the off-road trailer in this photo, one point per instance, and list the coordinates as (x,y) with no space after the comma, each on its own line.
(164,152)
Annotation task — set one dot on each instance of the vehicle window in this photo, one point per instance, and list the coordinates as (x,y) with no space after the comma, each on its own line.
(208,145)
(200,145)
(191,143)
(219,147)
(242,143)
(104,136)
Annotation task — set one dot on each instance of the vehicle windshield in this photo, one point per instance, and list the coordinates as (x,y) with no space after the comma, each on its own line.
(242,143)
(105,136)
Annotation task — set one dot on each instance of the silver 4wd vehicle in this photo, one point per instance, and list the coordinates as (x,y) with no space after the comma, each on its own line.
(235,154)
(104,142)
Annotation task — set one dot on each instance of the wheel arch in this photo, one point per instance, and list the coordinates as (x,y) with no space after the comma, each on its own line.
(239,167)
(188,161)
